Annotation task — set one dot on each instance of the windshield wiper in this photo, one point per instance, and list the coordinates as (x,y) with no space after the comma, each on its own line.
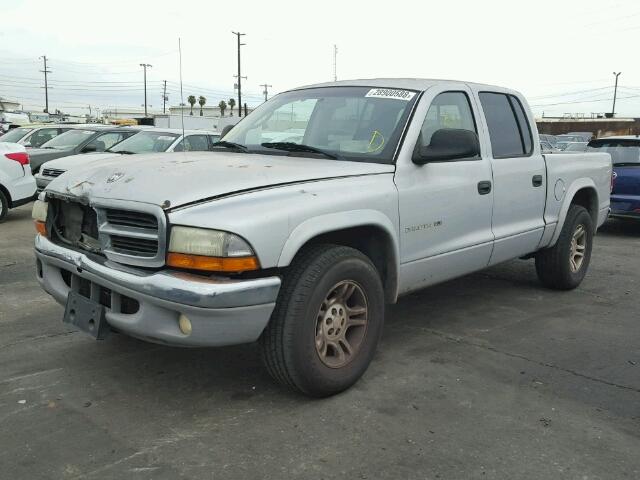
(299,147)
(230,145)
(124,152)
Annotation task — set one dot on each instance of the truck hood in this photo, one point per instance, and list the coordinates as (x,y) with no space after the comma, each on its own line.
(66,163)
(174,179)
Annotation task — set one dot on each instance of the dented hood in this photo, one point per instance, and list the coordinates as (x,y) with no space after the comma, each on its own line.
(174,179)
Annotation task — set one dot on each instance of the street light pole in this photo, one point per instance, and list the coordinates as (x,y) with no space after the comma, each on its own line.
(266,92)
(615,92)
(46,84)
(144,66)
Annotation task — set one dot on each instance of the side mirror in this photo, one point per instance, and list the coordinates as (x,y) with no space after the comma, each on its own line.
(448,144)
(225,130)
(89,149)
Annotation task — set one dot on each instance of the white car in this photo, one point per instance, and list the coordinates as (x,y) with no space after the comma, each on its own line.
(17,185)
(152,140)
(33,135)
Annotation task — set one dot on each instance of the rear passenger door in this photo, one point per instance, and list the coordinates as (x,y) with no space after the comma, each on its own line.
(519,177)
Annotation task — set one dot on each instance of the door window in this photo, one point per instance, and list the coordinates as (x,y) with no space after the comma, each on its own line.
(106,141)
(508,127)
(193,143)
(447,110)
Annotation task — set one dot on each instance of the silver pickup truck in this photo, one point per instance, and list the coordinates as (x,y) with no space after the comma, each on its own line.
(323,205)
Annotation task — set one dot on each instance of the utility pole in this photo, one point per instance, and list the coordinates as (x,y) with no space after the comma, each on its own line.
(615,92)
(164,97)
(240,77)
(266,92)
(335,63)
(144,66)
(46,85)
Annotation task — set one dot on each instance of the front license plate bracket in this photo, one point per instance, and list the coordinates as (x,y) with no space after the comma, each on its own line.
(86,315)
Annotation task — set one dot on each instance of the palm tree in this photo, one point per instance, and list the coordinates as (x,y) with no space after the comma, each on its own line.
(222,106)
(192,101)
(232,103)
(201,101)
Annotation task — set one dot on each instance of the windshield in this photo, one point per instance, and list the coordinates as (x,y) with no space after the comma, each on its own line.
(621,151)
(576,147)
(144,142)
(69,139)
(14,135)
(352,123)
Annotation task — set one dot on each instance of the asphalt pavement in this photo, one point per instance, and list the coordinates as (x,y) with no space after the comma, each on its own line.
(489,376)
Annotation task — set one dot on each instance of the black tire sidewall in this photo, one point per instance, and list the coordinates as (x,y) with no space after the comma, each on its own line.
(311,375)
(579,216)
(5,206)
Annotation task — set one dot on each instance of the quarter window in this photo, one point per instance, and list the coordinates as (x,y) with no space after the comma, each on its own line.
(508,126)
(447,110)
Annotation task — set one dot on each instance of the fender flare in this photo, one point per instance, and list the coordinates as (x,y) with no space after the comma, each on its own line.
(576,185)
(336,221)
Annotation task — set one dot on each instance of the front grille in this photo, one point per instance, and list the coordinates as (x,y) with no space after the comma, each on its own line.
(52,172)
(129,218)
(134,246)
(123,235)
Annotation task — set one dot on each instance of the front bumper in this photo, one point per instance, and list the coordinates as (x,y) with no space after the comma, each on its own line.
(42,181)
(222,311)
(625,206)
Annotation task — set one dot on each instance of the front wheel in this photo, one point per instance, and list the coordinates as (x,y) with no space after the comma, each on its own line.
(327,321)
(563,266)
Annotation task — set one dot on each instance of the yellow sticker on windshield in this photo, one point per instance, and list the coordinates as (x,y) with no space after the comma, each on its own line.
(376,142)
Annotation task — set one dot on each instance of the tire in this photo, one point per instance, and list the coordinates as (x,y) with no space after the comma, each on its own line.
(299,347)
(554,265)
(4,206)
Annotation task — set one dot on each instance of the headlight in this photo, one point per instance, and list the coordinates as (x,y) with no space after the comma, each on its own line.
(212,250)
(39,215)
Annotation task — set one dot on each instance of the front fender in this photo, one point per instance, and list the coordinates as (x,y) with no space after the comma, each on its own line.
(331,222)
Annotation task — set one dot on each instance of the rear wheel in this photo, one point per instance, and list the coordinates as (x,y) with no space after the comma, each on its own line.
(327,321)
(4,206)
(563,266)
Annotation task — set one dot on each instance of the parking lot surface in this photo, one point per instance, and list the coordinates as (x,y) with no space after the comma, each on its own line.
(487,376)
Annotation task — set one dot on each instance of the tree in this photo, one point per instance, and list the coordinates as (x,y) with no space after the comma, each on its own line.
(232,103)
(192,101)
(222,106)
(201,101)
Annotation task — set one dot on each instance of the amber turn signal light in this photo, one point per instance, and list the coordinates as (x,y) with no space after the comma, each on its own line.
(212,264)
(41,228)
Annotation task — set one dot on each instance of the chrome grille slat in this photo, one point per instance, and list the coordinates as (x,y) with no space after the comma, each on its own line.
(52,172)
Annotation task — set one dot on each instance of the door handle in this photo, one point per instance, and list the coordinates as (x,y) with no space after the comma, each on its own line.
(484,187)
(536,181)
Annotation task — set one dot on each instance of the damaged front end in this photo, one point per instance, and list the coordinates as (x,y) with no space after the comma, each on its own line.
(74,224)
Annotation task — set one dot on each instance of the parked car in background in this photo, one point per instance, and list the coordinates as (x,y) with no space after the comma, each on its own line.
(11,120)
(33,136)
(625,156)
(563,140)
(546,147)
(79,139)
(586,136)
(575,147)
(17,185)
(550,139)
(300,244)
(145,141)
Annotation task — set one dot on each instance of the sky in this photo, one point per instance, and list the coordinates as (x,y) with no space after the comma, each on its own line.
(560,54)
